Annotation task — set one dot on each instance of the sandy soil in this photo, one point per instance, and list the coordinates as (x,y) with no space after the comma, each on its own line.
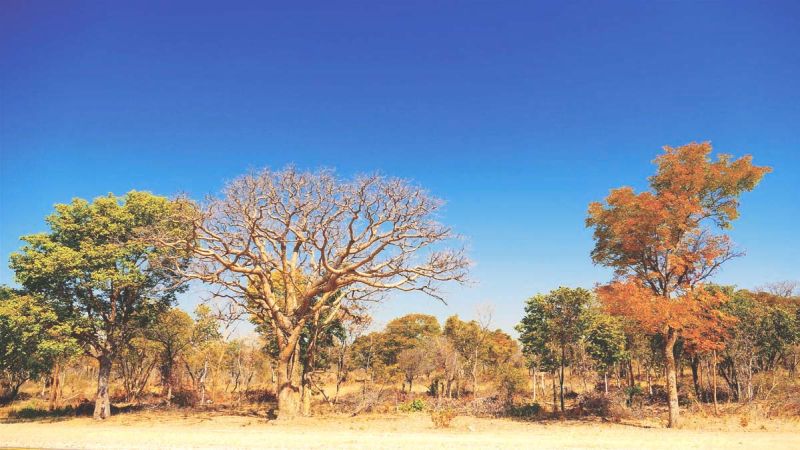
(399,431)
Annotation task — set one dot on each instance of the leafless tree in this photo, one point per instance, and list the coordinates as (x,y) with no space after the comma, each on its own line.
(291,246)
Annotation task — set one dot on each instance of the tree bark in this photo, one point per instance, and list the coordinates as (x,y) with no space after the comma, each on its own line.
(672,380)
(55,386)
(714,380)
(561,378)
(288,392)
(102,404)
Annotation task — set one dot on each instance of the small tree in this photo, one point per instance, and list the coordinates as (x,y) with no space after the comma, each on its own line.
(173,332)
(412,363)
(97,273)
(32,341)
(553,323)
(661,245)
(605,339)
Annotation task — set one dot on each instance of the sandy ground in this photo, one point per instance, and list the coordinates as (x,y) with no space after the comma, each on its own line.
(400,431)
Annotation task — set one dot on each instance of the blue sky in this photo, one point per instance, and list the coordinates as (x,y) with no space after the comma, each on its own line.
(518,114)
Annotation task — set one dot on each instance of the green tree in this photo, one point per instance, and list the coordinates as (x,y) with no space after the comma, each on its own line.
(173,332)
(32,340)
(97,272)
(552,324)
(605,339)
(407,332)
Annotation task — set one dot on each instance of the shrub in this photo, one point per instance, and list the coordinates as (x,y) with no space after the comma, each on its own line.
(442,417)
(601,406)
(633,393)
(415,405)
(185,398)
(526,411)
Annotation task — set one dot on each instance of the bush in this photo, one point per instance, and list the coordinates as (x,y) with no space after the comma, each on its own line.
(441,418)
(603,406)
(415,405)
(260,396)
(185,398)
(633,393)
(526,411)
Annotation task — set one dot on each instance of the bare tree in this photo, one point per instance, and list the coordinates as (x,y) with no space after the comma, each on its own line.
(784,289)
(281,244)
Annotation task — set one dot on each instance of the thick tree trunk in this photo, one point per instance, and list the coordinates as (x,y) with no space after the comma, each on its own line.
(102,404)
(288,392)
(672,380)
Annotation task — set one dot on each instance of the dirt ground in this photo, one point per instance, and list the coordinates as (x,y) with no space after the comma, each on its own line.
(174,430)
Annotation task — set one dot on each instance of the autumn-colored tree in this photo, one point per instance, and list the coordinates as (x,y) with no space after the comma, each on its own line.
(662,245)
(407,332)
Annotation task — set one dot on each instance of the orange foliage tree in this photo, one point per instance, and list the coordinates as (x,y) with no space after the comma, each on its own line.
(664,243)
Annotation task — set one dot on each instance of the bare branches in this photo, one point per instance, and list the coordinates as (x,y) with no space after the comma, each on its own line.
(276,241)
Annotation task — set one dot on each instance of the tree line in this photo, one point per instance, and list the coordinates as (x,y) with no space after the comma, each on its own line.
(302,254)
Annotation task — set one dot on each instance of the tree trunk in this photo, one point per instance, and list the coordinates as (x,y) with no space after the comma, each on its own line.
(694,362)
(288,393)
(631,380)
(714,380)
(555,402)
(672,381)
(605,381)
(561,378)
(102,404)
(55,386)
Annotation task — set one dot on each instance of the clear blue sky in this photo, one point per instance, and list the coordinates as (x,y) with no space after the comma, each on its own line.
(518,114)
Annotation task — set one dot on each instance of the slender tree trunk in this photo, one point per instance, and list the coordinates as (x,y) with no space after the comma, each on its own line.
(555,394)
(55,386)
(102,404)
(605,381)
(561,377)
(714,380)
(695,365)
(631,380)
(672,381)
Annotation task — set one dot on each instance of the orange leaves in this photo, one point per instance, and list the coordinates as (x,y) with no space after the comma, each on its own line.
(696,313)
(662,236)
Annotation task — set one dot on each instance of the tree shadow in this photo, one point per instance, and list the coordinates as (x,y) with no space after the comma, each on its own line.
(83,409)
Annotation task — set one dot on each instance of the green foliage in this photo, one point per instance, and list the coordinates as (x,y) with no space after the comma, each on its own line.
(605,339)
(407,332)
(416,405)
(32,339)
(96,269)
(552,323)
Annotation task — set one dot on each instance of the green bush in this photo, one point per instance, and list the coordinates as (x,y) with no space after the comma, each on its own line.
(415,405)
